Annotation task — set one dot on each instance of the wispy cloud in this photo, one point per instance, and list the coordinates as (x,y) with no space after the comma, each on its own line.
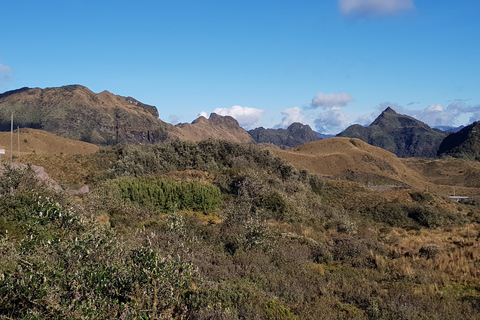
(246,117)
(290,116)
(5,75)
(374,8)
(173,119)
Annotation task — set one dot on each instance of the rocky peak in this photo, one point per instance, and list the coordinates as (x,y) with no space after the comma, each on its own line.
(216,119)
(389,110)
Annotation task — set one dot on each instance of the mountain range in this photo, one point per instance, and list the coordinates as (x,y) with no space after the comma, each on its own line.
(75,112)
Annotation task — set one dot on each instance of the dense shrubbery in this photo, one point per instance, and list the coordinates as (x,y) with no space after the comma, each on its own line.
(167,195)
(414,216)
(277,248)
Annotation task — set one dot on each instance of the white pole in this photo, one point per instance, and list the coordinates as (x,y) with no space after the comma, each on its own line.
(11,140)
(18,134)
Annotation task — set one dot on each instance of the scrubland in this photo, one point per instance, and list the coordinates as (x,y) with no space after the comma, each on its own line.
(218,230)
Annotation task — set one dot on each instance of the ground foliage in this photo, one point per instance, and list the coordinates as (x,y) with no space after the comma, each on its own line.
(276,243)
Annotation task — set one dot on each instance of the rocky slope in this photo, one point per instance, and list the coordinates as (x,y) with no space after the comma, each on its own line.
(463,144)
(400,134)
(295,135)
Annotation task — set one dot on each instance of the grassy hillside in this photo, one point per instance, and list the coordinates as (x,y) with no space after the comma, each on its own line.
(278,242)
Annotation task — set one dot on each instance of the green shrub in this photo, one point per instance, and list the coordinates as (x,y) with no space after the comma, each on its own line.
(421,197)
(432,217)
(275,311)
(167,195)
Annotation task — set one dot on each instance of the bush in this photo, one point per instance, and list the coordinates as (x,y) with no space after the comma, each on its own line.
(167,195)
(430,251)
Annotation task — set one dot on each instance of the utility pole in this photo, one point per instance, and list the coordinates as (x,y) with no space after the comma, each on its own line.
(18,134)
(11,140)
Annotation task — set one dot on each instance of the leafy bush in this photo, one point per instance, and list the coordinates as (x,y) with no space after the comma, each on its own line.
(413,216)
(431,217)
(167,195)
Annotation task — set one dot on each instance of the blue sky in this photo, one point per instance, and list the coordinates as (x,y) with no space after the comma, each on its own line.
(267,63)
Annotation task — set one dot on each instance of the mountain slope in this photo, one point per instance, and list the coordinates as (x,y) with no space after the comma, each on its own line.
(295,135)
(400,134)
(463,144)
(217,127)
(77,113)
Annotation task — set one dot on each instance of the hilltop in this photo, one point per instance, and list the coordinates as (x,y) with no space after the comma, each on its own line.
(400,134)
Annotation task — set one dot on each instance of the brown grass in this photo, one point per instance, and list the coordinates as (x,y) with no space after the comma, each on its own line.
(331,157)
(42,142)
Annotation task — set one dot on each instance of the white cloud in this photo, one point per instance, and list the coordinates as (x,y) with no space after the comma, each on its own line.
(340,99)
(246,117)
(290,116)
(374,8)
(436,107)
(331,121)
(203,114)
(5,75)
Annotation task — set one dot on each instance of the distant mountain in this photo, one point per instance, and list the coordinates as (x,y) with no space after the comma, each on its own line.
(324,136)
(449,129)
(400,134)
(76,112)
(217,127)
(463,144)
(295,135)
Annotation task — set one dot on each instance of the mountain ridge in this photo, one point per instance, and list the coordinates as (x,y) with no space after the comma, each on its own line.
(75,112)
(400,134)
(296,134)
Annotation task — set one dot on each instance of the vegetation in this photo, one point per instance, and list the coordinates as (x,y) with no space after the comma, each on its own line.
(216,230)
(166,195)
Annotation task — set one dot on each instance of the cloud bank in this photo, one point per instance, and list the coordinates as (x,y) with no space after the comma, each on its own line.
(5,75)
(246,117)
(333,118)
(332,121)
(290,116)
(374,8)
